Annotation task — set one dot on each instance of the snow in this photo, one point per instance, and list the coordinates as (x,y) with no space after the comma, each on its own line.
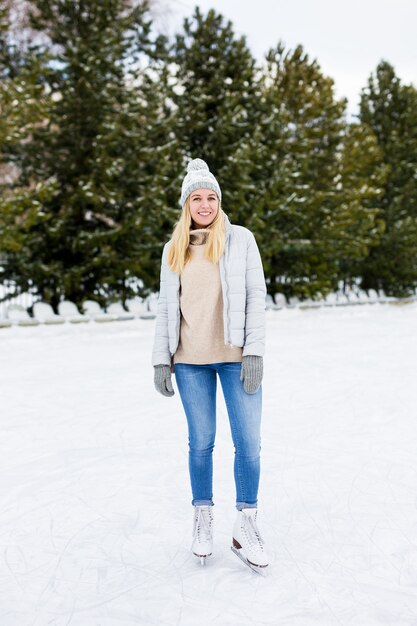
(96,518)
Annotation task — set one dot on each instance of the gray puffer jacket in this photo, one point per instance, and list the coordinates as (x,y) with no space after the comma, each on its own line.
(244,293)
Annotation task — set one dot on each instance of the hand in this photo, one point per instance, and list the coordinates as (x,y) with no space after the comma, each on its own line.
(162,380)
(251,372)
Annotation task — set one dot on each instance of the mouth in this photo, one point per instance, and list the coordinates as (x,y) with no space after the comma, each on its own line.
(204,213)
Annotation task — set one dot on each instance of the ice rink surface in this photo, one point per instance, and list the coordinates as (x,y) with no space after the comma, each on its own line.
(95,502)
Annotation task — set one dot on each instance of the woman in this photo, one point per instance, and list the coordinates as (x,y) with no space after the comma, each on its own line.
(211,321)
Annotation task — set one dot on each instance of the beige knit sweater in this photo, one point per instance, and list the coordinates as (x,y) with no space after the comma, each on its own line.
(201,304)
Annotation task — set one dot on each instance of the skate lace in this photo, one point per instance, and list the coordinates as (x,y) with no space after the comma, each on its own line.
(202,523)
(252,532)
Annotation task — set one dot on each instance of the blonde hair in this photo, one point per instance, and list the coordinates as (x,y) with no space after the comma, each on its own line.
(179,253)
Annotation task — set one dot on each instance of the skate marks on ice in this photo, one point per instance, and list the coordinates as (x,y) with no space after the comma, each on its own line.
(94,463)
(340,450)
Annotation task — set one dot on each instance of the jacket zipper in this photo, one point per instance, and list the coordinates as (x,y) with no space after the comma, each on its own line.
(226,295)
(178,323)
(178,316)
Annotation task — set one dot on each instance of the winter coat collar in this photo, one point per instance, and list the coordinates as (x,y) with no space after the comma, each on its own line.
(227,226)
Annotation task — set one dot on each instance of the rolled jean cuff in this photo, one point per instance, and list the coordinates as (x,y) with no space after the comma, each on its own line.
(246,505)
(202,502)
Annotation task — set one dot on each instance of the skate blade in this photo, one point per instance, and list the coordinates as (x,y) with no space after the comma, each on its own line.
(202,558)
(259,570)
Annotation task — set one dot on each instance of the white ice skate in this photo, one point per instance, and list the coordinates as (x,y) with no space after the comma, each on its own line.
(202,532)
(247,542)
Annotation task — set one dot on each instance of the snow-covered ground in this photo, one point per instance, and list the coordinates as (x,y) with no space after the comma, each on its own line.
(95,513)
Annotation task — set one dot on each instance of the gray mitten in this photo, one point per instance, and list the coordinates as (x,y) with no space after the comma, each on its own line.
(251,372)
(162,380)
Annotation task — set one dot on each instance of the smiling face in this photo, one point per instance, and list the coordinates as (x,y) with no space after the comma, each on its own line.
(204,206)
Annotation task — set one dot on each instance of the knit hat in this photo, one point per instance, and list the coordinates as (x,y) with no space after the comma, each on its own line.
(198,177)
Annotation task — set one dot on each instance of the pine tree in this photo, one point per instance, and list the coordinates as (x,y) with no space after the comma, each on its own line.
(92,181)
(390,109)
(314,218)
(359,188)
(22,107)
(214,92)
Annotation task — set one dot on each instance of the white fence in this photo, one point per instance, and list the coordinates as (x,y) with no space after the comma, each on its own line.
(25,299)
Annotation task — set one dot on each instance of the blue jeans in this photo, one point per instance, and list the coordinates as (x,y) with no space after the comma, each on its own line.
(197,387)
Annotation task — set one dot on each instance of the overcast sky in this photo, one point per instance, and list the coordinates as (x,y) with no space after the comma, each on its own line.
(347,39)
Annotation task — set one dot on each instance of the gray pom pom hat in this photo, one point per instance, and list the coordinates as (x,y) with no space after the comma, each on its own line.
(198,177)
